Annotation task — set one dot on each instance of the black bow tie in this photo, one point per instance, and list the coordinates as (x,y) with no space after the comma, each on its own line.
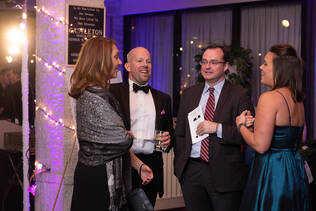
(143,88)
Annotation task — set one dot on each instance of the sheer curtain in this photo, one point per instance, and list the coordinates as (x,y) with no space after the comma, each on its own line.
(155,32)
(261,27)
(198,30)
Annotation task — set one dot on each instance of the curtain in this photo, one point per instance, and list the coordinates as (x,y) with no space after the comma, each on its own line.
(261,28)
(155,32)
(309,56)
(114,25)
(198,30)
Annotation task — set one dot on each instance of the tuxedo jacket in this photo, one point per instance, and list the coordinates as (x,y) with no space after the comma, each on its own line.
(226,161)
(163,122)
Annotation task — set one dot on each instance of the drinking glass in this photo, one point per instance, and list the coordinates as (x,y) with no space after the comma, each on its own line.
(158,136)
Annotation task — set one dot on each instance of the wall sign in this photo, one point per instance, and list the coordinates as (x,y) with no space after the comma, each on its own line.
(84,23)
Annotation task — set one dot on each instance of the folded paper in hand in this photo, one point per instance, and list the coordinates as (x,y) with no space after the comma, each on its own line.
(195,117)
(308,173)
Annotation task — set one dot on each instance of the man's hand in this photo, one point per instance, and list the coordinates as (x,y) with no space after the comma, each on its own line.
(165,140)
(206,127)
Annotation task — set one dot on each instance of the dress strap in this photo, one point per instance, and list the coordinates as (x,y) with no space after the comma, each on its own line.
(287,105)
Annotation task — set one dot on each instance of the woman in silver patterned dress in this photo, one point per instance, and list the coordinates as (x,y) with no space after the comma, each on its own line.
(102,177)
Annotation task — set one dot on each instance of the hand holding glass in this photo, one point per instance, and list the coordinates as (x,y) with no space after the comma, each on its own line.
(158,136)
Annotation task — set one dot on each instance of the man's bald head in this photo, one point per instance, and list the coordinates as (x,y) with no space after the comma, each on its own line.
(139,65)
(131,54)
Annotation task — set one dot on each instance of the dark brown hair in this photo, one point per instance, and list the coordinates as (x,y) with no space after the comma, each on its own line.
(94,65)
(224,49)
(287,70)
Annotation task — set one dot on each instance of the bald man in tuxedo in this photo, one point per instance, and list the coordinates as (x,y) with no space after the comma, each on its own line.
(145,110)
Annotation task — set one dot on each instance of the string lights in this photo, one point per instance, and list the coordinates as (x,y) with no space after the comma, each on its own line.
(52,65)
(49,116)
(40,168)
(57,21)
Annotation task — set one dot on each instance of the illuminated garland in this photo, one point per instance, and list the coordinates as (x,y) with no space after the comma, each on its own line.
(53,65)
(57,21)
(49,117)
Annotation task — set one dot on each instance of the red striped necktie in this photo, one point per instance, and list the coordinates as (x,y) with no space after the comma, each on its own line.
(208,115)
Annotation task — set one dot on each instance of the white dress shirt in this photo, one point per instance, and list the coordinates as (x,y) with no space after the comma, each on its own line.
(143,117)
(196,148)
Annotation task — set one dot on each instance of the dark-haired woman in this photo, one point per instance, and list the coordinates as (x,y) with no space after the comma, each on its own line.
(102,178)
(277,179)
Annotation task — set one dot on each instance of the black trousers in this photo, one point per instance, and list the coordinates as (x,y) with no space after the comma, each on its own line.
(199,191)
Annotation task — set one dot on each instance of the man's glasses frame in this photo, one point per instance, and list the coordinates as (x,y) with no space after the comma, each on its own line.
(211,62)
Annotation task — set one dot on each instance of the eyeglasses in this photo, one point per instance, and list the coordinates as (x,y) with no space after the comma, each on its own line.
(212,62)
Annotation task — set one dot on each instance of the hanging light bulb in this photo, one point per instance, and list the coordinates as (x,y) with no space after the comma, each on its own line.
(285,23)
(9,59)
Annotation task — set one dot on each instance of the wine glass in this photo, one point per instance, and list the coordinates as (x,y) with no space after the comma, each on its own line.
(158,136)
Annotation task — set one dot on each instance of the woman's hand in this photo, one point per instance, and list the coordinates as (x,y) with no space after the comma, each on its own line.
(130,133)
(249,119)
(146,174)
(245,118)
(241,119)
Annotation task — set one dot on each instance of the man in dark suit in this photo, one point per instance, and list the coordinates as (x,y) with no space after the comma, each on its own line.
(145,110)
(212,172)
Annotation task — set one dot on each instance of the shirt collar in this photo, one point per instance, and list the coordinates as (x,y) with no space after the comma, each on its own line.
(130,83)
(217,88)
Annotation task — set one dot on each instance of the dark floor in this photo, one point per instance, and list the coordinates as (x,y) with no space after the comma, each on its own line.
(177,209)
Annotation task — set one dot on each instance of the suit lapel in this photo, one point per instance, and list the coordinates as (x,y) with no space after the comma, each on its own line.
(222,99)
(197,96)
(125,105)
(158,106)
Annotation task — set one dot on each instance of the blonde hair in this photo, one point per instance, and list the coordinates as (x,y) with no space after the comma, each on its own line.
(94,65)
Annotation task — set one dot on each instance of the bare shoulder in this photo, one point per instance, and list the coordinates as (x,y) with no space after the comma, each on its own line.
(270,98)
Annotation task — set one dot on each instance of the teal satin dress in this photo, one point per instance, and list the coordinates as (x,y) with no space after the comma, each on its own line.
(277,179)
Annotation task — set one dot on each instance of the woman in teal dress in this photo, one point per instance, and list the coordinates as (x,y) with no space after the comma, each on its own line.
(277,179)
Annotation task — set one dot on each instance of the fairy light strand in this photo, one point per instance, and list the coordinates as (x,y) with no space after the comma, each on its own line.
(53,65)
(49,117)
(57,21)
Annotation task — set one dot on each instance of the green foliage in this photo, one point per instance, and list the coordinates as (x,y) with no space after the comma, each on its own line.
(238,56)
